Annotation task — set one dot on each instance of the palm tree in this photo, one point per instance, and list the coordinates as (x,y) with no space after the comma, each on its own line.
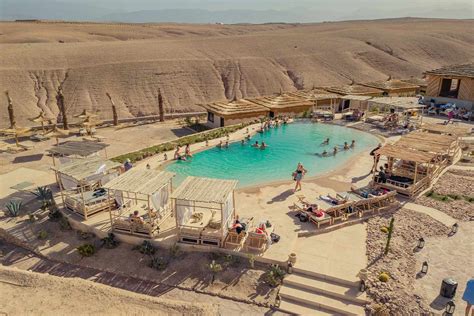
(114,109)
(11,114)
(160,106)
(62,107)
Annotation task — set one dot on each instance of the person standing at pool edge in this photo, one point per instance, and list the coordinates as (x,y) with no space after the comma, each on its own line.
(298,176)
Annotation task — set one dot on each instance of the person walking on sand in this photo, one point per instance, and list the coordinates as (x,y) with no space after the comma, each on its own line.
(468,297)
(298,176)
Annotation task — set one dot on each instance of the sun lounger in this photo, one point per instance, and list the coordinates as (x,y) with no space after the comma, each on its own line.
(135,227)
(326,218)
(234,240)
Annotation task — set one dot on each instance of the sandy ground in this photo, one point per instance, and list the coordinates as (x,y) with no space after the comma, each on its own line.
(193,64)
(81,297)
(120,140)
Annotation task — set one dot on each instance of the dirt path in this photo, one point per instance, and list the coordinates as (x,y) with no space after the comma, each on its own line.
(13,256)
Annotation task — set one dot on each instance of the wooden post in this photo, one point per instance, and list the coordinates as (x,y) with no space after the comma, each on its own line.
(60,188)
(11,114)
(416,172)
(110,210)
(83,202)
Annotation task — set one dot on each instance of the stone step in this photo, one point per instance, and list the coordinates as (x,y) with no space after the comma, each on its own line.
(297,308)
(327,287)
(349,280)
(321,301)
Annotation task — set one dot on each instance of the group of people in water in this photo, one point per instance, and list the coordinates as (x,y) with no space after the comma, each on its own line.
(336,148)
(275,122)
(187,153)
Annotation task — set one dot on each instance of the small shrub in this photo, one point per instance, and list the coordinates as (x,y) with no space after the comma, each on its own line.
(147,248)
(86,250)
(109,242)
(45,195)
(251,261)
(55,214)
(64,223)
(454,196)
(214,268)
(274,276)
(84,235)
(158,263)
(175,251)
(384,277)
(14,207)
(42,234)
(429,193)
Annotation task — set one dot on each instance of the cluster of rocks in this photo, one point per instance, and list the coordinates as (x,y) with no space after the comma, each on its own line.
(396,297)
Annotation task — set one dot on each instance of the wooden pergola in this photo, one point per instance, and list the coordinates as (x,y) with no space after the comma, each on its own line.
(145,191)
(445,145)
(79,149)
(204,210)
(236,109)
(448,129)
(80,183)
(324,102)
(411,170)
(355,89)
(394,86)
(405,106)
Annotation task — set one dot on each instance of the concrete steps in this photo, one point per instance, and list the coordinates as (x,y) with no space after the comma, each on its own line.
(305,294)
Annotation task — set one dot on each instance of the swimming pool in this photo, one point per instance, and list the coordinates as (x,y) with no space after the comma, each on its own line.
(287,145)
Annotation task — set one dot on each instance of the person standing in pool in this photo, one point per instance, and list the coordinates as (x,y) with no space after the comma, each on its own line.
(326,142)
(256,145)
(335,150)
(353,143)
(187,151)
(346,146)
(263,146)
(298,176)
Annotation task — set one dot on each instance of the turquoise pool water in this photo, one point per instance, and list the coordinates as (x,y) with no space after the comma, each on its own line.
(287,145)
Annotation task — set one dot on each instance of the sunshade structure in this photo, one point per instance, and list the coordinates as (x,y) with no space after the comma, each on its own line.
(80,182)
(323,101)
(204,210)
(356,89)
(408,107)
(284,103)
(234,112)
(15,133)
(448,129)
(85,114)
(143,197)
(57,133)
(432,143)
(411,168)
(41,118)
(394,87)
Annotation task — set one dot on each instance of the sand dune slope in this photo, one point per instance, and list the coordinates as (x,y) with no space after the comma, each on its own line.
(200,63)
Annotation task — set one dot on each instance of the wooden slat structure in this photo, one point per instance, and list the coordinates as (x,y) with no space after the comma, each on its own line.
(464,73)
(356,89)
(420,82)
(428,142)
(236,109)
(324,103)
(196,203)
(284,103)
(80,182)
(77,148)
(448,129)
(145,191)
(394,87)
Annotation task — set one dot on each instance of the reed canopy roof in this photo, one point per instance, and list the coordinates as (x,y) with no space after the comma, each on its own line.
(428,142)
(397,102)
(235,108)
(355,89)
(140,181)
(405,153)
(205,190)
(80,169)
(356,97)
(283,101)
(393,84)
(446,129)
(416,81)
(463,71)
(73,148)
(314,95)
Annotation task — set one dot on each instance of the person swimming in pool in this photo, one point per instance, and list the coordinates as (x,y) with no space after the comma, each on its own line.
(353,143)
(346,146)
(326,142)
(325,153)
(256,145)
(219,145)
(334,150)
(242,142)
(247,137)
(187,151)
(263,146)
(226,144)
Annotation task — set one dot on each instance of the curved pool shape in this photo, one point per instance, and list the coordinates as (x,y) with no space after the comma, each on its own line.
(287,145)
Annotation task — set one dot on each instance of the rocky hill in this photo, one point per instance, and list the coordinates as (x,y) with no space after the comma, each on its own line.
(192,64)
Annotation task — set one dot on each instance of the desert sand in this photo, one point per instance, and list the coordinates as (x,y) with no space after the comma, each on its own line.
(193,64)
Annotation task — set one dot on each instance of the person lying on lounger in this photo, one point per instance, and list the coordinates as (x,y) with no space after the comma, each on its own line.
(333,200)
(238,226)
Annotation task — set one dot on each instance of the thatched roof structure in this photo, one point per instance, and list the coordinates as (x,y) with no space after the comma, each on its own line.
(80,169)
(405,153)
(236,109)
(314,95)
(416,81)
(391,85)
(73,148)
(458,71)
(204,190)
(355,89)
(446,129)
(428,142)
(284,102)
(85,114)
(356,97)
(140,181)
(397,102)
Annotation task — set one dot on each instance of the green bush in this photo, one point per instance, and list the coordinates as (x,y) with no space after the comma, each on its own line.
(109,242)
(175,251)
(55,214)
(159,263)
(384,277)
(274,276)
(86,250)
(214,268)
(64,223)
(45,195)
(42,234)
(14,207)
(146,248)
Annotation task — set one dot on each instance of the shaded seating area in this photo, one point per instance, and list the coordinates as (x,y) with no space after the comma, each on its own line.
(143,198)
(77,149)
(80,182)
(235,239)
(205,210)
(409,171)
(448,129)
(259,238)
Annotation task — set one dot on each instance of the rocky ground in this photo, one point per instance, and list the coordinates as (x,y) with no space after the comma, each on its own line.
(456,185)
(395,297)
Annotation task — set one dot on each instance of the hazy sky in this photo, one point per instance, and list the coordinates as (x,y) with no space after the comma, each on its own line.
(303,10)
